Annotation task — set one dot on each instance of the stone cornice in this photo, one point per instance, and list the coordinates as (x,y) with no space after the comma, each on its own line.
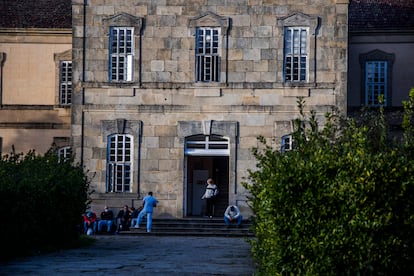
(35,31)
(45,36)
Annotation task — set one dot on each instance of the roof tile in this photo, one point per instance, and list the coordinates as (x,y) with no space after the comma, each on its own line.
(35,13)
(381,15)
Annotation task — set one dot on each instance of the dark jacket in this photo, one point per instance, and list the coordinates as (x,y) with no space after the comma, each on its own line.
(124,215)
(108,215)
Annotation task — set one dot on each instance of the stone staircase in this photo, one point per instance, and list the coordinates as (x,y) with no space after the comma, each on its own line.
(192,227)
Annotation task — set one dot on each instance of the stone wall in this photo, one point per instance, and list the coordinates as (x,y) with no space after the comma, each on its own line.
(30,115)
(251,98)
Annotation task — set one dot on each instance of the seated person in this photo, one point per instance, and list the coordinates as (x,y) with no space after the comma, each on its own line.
(232,215)
(134,216)
(89,221)
(107,218)
(123,219)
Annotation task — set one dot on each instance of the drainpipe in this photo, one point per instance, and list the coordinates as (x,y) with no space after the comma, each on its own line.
(236,153)
(83,81)
(2,59)
(139,160)
(227,50)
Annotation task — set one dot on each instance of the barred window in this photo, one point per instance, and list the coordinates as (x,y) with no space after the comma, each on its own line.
(119,162)
(296,54)
(121,54)
(208,54)
(65,83)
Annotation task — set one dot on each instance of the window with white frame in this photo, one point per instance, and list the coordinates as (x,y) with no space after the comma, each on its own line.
(207,145)
(121,54)
(65,83)
(375,82)
(286,143)
(119,163)
(208,54)
(296,54)
(64,153)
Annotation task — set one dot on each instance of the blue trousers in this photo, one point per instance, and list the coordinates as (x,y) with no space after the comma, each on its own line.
(149,219)
(239,220)
(108,224)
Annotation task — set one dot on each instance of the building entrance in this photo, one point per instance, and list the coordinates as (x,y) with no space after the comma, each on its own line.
(201,164)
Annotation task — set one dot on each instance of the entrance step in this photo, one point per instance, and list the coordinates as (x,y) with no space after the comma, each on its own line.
(192,227)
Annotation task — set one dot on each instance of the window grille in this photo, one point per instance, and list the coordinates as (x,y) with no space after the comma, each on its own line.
(296,54)
(287,143)
(208,55)
(375,82)
(64,153)
(121,54)
(119,160)
(207,145)
(65,83)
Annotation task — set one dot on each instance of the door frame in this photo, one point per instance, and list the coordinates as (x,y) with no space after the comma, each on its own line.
(228,129)
(209,148)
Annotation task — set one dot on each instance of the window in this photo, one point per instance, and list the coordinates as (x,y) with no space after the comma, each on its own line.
(287,143)
(119,160)
(295,54)
(65,83)
(64,153)
(298,51)
(376,76)
(121,54)
(208,54)
(375,82)
(63,78)
(207,145)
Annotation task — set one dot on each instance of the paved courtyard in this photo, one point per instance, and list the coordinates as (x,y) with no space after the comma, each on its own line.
(143,255)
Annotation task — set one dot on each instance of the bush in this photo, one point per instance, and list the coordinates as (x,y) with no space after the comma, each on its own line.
(41,202)
(341,203)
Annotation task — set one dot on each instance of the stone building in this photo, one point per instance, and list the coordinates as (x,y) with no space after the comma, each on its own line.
(35,75)
(170,93)
(381,52)
(381,57)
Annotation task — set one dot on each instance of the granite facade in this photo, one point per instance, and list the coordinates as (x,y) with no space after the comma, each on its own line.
(163,106)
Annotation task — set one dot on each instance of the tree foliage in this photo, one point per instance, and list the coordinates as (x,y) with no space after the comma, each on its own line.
(41,201)
(340,203)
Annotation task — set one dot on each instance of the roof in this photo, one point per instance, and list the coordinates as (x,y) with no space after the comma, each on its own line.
(35,14)
(370,15)
(364,15)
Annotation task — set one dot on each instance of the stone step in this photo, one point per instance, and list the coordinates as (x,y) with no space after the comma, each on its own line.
(192,227)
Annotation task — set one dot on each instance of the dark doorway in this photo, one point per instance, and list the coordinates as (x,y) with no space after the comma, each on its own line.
(199,168)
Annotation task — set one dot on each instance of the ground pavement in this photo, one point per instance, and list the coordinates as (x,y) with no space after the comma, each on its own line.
(143,255)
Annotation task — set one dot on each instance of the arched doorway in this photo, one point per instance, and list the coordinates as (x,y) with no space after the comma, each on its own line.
(206,156)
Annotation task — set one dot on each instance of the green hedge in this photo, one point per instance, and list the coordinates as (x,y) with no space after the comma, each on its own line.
(341,203)
(41,202)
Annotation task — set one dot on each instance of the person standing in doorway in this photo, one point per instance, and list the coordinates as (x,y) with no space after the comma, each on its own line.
(209,195)
(149,203)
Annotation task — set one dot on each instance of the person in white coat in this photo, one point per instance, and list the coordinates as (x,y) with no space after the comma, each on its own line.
(210,194)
